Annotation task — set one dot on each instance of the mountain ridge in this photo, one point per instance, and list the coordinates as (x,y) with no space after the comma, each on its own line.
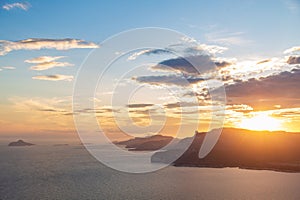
(241,148)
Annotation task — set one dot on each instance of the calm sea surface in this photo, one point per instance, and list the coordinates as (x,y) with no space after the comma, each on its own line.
(69,172)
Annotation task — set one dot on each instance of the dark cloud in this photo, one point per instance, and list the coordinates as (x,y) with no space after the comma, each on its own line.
(189,65)
(293,60)
(157,51)
(194,51)
(181,104)
(106,110)
(143,112)
(168,80)
(97,110)
(56,77)
(222,63)
(148,52)
(139,105)
(51,110)
(281,89)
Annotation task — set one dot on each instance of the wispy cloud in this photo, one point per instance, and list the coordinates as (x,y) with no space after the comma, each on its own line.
(45,113)
(49,65)
(292,5)
(239,108)
(147,52)
(24,6)
(186,47)
(227,38)
(56,77)
(47,62)
(56,104)
(43,59)
(8,67)
(211,49)
(292,50)
(41,43)
(168,80)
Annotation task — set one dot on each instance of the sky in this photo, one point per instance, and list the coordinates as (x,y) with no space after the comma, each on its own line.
(253,45)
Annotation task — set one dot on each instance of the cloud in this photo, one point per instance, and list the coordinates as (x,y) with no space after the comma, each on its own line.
(222,63)
(240,71)
(40,43)
(186,49)
(292,5)
(143,112)
(61,104)
(188,39)
(42,113)
(293,60)
(49,65)
(57,77)
(43,59)
(227,38)
(263,61)
(8,67)
(287,113)
(211,49)
(264,93)
(100,110)
(180,104)
(147,52)
(191,65)
(139,105)
(170,80)
(292,50)
(24,6)
(239,108)
(47,62)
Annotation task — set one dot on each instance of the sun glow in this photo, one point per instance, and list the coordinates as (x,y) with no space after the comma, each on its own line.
(261,122)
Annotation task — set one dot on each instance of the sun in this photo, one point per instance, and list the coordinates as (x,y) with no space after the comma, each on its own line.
(261,122)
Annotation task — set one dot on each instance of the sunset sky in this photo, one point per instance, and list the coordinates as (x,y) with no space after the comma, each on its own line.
(254,46)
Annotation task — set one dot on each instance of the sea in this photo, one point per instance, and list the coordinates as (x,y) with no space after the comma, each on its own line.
(70,172)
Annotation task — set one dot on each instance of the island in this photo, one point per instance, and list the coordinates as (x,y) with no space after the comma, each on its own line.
(19,143)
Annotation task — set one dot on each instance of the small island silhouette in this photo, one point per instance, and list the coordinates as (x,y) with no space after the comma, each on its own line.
(20,143)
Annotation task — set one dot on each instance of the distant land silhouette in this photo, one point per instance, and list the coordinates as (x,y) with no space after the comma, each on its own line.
(263,150)
(147,143)
(20,143)
(57,145)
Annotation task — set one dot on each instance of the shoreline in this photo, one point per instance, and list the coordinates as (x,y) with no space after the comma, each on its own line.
(239,167)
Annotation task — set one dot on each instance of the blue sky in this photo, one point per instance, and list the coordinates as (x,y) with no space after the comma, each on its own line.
(256,28)
(259,21)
